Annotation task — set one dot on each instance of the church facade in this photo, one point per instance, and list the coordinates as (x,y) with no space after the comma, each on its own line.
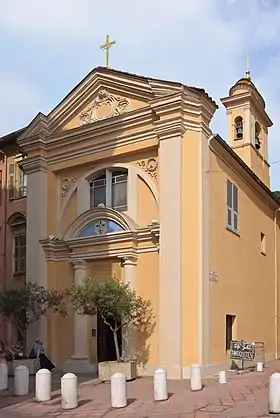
(126,179)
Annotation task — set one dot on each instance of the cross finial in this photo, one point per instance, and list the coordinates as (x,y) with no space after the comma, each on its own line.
(106,47)
(248,72)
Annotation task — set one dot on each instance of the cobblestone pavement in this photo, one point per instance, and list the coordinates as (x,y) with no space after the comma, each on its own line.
(245,395)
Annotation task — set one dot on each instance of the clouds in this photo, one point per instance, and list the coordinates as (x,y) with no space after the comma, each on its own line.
(201,42)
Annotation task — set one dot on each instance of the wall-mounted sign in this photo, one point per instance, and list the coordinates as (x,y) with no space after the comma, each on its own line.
(242,350)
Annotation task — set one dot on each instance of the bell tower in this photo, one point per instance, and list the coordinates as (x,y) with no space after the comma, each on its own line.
(247,126)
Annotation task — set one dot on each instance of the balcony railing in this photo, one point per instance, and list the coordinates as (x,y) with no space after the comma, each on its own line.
(17,193)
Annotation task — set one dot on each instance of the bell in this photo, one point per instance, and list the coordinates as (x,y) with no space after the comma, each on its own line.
(257,143)
(239,132)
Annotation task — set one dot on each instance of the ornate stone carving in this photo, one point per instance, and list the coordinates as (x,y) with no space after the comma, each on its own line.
(106,105)
(65,184)
(150,166)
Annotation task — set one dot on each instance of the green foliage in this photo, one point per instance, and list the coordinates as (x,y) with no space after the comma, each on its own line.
(115,301)
(26,305)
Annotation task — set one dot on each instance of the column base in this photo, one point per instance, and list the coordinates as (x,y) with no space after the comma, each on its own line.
(79,366)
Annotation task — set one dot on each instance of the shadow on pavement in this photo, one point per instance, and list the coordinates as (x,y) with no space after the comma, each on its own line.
(7,397)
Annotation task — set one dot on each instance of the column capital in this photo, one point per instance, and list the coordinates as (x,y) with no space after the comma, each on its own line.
(129,260)
(79,264)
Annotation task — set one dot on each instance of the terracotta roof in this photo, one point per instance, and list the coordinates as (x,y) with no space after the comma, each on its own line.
(11,137)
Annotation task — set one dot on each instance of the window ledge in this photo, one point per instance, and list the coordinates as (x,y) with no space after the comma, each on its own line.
(18,198)
(233,231)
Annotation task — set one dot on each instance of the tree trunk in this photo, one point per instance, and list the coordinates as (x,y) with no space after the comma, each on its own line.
(117,346)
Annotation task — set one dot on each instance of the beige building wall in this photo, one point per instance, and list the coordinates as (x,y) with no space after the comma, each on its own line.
(243,264)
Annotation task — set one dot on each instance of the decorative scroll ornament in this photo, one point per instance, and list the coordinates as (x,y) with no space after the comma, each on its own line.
(105,106)
(150,166)
(65,184)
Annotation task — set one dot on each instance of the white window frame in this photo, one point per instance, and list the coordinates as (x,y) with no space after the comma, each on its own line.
(109,181)
(230,208)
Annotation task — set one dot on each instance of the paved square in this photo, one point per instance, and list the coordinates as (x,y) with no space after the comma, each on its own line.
(245,395)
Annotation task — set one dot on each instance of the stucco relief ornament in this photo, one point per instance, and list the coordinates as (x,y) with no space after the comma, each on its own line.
(150,166)
(105,106)
(65,184)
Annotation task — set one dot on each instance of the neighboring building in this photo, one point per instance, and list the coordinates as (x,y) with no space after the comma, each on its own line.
(125,177)
(12,219)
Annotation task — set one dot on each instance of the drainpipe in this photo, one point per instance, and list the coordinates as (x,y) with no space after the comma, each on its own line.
(275,284)
(5,217)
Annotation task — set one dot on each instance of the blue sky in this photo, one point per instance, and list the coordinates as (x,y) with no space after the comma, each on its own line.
(46,47)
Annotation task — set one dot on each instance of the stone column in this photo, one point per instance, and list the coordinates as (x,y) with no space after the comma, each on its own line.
(129,333)
(79,361)
(80,321)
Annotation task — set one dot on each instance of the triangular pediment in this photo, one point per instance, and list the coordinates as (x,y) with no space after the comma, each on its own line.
(105,103)
(102,94)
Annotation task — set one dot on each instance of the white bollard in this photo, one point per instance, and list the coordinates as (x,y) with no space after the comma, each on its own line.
(69,391)
(259,366)
(274,393)
(160,385)
(196,377)
(3,376)
(21,380)
(118,391)
(222,377)
(43,385)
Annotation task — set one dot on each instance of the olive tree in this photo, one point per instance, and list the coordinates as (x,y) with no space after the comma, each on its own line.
(116,303)
(26,305)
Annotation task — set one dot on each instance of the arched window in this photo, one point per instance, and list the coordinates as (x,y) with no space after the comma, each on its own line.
(257,135)
(17,223)
(100,227)
(109,189)
(238,128)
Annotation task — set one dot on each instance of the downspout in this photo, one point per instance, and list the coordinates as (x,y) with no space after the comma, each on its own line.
(275,284)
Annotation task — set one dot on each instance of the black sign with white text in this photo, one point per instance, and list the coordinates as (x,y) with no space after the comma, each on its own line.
(242,350)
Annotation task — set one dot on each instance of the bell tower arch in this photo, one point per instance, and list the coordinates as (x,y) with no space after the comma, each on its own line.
(247,126)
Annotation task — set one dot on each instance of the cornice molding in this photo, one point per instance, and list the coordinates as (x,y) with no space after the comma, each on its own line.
(127,242)
(246,99)
(147,138)
(34,164)
(85,92)
(39,126)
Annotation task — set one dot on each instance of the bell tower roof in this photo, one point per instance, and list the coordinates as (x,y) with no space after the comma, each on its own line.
(245,85)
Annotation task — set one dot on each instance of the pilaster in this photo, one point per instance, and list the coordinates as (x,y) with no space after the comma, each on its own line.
(36,229)
(170,256)
(79,361)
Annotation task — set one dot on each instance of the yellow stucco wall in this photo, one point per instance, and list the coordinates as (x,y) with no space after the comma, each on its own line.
(60,335)
(245,275)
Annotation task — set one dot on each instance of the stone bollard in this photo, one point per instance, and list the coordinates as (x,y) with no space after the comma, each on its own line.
(21,380)
(118,391)
(222,377)
(3,376)
(196,377)
(160,385)
(69,391)
(43,385)
(274,393)
(259,366)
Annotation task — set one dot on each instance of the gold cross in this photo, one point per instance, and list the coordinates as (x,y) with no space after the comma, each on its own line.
(106,47)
